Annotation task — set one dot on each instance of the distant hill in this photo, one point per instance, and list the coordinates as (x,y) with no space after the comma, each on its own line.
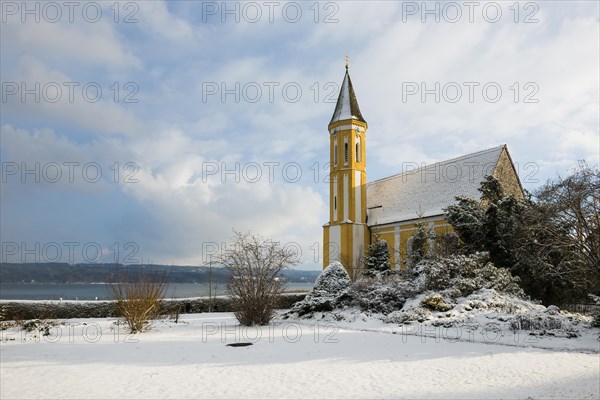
(98,273)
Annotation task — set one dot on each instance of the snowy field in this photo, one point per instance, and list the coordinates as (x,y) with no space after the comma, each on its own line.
(94,358)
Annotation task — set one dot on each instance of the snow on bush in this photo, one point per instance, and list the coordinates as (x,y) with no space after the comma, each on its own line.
(459,276)
(468,292)
(379,295)
(331,284)
(551,322)
(377,258)
(596,314)
(418,314)
(333,280)
(527,322)
(444,280)
(436,302)
(461,284)
(493,301)
(490,309)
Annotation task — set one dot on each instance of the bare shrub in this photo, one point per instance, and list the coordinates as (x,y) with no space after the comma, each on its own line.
(255,282)
(355,269)
(531,323)
(139,300)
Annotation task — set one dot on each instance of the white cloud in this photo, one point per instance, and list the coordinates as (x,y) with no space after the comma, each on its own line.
(62,99)
(91,44)
(173,194)
(561,63)
(154,17)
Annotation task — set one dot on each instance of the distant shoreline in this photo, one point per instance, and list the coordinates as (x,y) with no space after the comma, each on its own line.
(99,291)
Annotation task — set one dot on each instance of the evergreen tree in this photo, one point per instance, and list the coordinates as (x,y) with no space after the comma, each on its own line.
(490,225)
(552,243)
(466,217)
(418,244)
(378,257)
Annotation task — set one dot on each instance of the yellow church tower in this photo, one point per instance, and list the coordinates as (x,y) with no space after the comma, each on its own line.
(346,235)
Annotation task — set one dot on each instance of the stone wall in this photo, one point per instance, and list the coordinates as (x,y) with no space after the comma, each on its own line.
(507,175)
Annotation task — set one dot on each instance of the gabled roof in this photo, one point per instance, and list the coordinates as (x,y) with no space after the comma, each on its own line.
(427,190)
(347,106)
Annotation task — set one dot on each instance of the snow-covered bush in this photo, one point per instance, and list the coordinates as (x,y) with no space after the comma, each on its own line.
(436,283)
(382,295)
(596,314)
(418,244)
(459,276)
(333,280)
(377,258)
(39,326)
(433,284)
(418,314)
(489,306)
(549,323)
(436,302)
(490,300)
(525,322)
(331,284)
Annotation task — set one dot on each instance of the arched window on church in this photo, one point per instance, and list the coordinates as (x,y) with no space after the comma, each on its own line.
(346,152)
(335,152)
(416,249)
(358,152)
(335,193)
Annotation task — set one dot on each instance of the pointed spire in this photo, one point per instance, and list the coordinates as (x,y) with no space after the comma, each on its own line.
(347,106)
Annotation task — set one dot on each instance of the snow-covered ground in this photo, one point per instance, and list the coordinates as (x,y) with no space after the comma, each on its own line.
(358,357)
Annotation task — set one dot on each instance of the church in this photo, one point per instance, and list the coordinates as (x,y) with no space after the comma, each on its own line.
(390,208)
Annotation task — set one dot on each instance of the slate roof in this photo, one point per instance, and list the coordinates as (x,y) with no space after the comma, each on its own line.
(428,189)
(347,106)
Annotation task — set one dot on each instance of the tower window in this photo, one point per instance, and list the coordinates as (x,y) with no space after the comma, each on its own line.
(346,152)
(335,202)
(335,153)
(358,148)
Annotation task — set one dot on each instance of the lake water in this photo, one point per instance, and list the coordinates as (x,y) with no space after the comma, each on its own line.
(84,291)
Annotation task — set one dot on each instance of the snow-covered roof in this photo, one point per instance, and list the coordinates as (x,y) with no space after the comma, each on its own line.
(426,190)
(347,106)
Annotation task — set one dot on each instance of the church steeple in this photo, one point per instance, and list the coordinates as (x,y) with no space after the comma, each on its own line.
(347,106)
(346,235)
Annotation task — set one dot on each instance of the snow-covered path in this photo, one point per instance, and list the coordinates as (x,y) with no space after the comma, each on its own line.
(190,360)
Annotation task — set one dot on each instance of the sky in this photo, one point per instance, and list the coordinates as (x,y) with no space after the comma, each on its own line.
(148,131)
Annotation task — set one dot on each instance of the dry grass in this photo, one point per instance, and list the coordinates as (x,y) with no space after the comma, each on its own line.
(139,300)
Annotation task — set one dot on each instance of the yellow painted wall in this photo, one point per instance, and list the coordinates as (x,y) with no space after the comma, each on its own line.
(406,230)
(346,203)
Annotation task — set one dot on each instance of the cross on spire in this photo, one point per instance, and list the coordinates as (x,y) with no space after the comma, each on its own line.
(347,59)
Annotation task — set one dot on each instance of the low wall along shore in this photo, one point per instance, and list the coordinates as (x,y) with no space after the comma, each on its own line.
(25,310)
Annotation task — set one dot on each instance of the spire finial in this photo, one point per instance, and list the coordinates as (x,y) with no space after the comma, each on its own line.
(347,58)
